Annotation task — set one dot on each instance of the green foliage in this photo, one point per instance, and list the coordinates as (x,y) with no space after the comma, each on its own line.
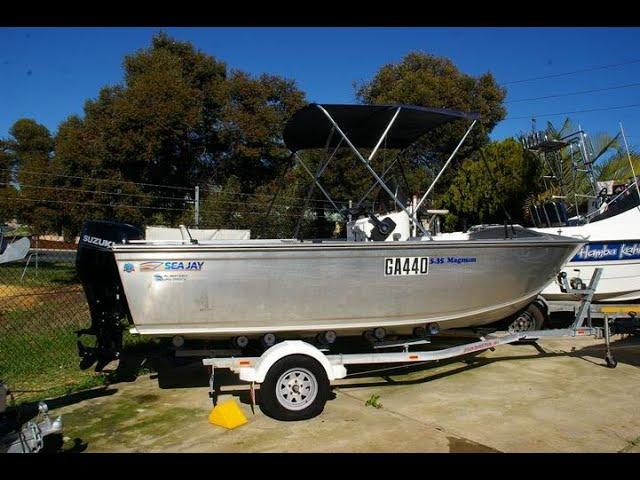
(373,401)
(29,149)
(180,118)
(618,168)
(615,166)
(427,80)
(481,193)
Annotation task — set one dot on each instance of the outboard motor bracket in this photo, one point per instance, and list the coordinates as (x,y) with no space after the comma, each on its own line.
(98,272)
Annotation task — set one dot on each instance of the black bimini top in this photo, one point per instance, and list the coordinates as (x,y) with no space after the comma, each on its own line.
(310,128)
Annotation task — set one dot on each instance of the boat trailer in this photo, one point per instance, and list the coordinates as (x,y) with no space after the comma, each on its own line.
(27,438)
(295,375)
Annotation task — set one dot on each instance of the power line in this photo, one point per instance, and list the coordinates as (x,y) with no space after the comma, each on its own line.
(95,204)
(222,192)
(97,192)
(574,93)
(574,111)
(210,190)
(145,207)
(98,179)
(591,69)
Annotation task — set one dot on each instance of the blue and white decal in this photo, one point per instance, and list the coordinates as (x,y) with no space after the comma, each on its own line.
(170,277)
(128,267)
(456,260)
(175,266)
(608,251)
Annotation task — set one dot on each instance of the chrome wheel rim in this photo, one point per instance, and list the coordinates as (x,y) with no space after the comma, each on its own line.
(296,389)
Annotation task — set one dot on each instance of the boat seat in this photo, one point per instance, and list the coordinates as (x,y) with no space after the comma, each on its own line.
(556,214)
(536,218)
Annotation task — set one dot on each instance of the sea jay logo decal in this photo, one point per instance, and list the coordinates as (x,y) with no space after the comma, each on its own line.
(175,266)
(148,266)
(128,267)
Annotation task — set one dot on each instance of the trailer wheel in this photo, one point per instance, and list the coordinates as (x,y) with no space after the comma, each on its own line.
(531,318)
(296,387)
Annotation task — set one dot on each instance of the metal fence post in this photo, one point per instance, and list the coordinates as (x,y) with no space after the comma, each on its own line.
(197,206)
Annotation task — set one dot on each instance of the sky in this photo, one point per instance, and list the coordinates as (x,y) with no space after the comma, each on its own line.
(48,73)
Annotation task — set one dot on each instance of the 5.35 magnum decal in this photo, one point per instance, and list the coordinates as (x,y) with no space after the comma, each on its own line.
(395,266)
(406,266)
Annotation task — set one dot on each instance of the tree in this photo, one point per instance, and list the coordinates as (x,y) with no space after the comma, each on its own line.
(179,119)
(617,167)
(28,155)
(427,80)
(482,192)
(574,183)
(418,79)
(7,178)
(251,124)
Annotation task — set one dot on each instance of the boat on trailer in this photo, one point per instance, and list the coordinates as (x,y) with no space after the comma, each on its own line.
(606,217)
(390,276)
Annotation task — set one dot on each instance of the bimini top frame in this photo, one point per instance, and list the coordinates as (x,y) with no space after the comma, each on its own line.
(367,126)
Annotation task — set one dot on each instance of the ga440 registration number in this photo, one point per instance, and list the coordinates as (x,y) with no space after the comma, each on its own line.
(394,266)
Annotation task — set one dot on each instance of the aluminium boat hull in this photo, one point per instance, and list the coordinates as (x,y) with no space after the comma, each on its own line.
(249,288)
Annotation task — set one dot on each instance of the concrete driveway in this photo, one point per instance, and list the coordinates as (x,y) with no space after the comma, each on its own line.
(518,398)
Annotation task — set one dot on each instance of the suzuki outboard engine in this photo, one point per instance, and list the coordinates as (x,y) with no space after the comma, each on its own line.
(98,273)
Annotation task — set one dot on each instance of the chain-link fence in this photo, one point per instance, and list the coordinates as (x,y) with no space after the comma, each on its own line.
(42,304)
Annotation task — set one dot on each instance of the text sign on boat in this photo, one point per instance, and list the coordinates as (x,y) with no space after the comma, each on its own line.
(603,251)
(395,266)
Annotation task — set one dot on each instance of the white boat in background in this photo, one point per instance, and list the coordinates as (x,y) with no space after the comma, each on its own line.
(182,233)
(614,245)
(611,224)
(12,250)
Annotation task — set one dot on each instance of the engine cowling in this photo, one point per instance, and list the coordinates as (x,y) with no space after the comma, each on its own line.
(98,272)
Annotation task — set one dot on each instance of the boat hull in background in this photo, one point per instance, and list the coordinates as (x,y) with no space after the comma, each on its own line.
(613,245)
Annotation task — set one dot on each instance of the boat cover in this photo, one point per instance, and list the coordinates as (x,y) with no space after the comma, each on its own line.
(309,127)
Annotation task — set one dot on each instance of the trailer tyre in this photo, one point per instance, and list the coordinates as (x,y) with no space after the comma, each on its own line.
(531,318)
(296,387)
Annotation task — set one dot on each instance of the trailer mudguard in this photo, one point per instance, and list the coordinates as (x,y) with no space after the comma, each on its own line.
(258,372)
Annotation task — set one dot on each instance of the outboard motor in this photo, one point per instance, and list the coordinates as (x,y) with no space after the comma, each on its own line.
(98,272)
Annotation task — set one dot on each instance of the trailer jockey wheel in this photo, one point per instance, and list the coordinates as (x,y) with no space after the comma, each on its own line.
(296,387)
(611,360)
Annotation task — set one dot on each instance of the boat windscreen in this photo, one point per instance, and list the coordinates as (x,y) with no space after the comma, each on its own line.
(310,128)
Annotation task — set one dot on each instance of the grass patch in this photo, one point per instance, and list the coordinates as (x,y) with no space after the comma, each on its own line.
(49,273)
(373,401)
(38,320)
(50,376)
